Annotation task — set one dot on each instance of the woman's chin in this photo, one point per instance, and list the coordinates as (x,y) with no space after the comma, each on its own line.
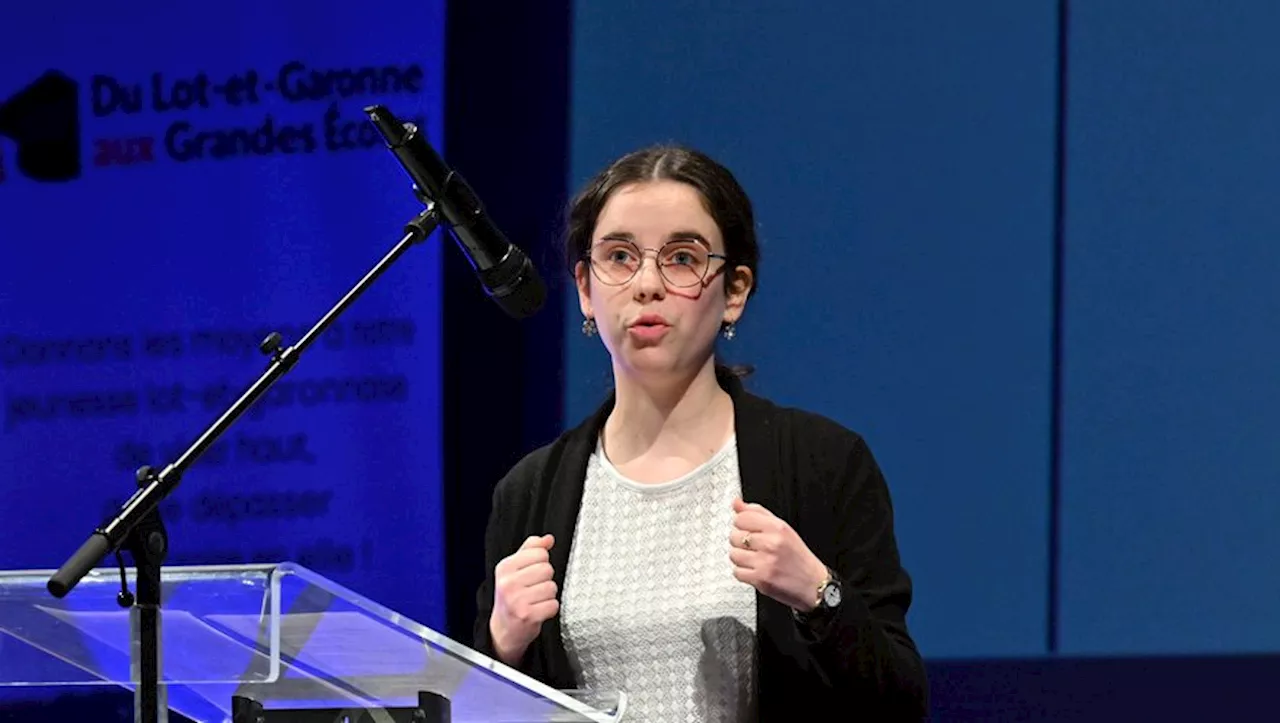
(657,364)
(648,361)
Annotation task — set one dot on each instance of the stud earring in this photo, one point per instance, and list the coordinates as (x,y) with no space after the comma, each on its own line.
(729,330)
(589,327)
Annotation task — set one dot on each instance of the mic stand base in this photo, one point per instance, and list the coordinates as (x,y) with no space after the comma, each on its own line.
(431,708)
(147,543)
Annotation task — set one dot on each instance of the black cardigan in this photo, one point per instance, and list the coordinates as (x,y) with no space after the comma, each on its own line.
(806,469)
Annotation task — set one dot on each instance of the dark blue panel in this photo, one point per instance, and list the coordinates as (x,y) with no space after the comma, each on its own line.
(901,157)
(1171,390)
(1091,690)
(227,185)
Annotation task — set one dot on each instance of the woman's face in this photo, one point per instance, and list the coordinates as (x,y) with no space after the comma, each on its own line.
(655,286)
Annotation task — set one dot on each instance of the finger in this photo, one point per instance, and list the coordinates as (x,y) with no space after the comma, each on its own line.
(532,575)
(744,539)
(513,582)
(539,612)
(752,521)
(539,593)
(758,542)
(539,541)
(744,559)
(744,574)
(740,505)
(544,610)
(519,560)
(529,556)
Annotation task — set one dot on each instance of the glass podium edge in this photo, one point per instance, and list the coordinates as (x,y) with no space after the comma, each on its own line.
(274,575)
(475,658)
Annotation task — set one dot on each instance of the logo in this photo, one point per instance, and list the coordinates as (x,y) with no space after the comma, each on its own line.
(43,121)
(293,109)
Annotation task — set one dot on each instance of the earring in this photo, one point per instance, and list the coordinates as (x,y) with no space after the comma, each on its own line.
(729,330)
(589,327)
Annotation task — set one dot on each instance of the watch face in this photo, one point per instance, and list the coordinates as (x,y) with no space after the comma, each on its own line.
(831,595)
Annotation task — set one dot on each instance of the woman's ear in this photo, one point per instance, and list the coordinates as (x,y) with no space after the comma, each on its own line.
(582,279)
(737,291)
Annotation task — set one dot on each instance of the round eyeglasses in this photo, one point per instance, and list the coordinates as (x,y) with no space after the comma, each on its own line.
(681,263)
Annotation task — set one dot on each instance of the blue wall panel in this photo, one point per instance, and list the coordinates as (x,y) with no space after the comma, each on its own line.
(1171,396)
(901,159)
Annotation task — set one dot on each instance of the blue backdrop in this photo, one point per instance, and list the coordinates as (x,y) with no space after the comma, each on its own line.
(1172,400)
(175,183)
(902,157)
(905,162)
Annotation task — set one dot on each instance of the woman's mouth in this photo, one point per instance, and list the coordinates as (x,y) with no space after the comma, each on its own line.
(649,328)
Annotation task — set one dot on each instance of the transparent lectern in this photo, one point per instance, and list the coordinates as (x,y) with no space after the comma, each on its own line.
(267,643)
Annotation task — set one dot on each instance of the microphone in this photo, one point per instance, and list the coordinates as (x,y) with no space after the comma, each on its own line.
(506,273)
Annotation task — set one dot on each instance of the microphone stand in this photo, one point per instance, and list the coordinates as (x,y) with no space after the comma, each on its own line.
(138,528)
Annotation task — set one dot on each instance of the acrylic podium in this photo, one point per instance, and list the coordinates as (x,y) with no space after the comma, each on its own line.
(267,643)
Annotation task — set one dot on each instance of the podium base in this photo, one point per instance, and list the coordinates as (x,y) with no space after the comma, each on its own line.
(431,708)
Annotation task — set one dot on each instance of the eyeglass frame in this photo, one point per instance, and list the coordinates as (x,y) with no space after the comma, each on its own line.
(645,251)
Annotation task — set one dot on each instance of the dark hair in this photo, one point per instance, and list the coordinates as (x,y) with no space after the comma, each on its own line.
(722,196)
(725,200)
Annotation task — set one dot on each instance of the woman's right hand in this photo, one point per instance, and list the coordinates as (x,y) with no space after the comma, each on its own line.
(524,597)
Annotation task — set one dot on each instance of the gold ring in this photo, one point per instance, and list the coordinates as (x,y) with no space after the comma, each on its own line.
(746,541)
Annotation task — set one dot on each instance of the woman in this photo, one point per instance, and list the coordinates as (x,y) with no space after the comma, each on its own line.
(712,554)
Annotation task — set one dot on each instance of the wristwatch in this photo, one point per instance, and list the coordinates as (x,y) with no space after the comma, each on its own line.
(830,594)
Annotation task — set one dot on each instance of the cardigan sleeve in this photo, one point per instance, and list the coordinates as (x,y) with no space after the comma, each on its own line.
(503,535)
(865,650)
(494,535)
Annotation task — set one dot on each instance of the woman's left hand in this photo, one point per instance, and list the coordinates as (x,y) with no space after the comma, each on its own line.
(769,555)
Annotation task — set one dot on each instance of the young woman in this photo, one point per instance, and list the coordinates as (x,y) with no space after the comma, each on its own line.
(714,555)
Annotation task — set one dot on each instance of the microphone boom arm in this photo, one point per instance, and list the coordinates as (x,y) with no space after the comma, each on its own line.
(508,277)
(137,525)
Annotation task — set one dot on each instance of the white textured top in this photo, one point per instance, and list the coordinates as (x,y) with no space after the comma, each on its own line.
(650,606)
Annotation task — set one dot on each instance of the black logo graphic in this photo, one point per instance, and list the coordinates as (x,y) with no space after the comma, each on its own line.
(43,119)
